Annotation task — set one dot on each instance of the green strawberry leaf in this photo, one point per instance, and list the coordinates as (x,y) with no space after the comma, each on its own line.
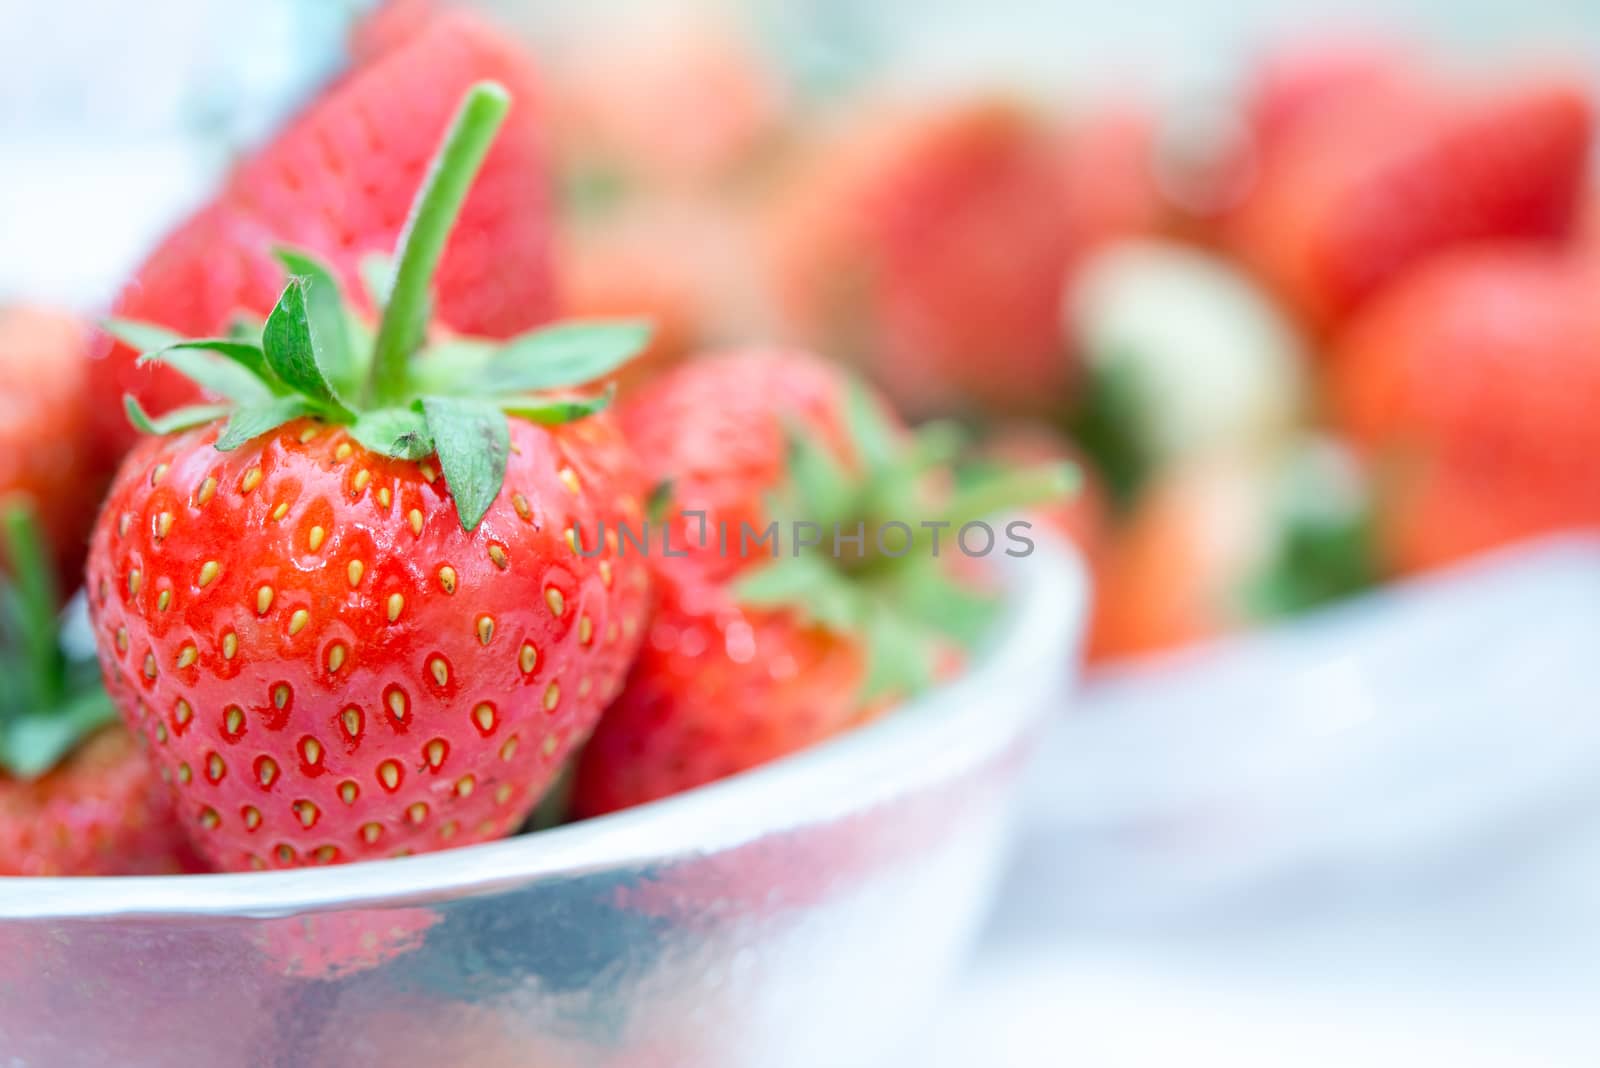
(240,375)
(473,443)
(330,325)
(826,492)
(251,421)
(547,411)
(301,345)
(33,744)
(900,658)
(809,585)
(567,354)
(398,432)
(178,419)
(877,442)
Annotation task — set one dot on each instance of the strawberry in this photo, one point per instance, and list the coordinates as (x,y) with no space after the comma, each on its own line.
(1472,387)
(338,180)
(1297,79)
(1084,519)
(77,796)
(349,612)
(930,248)
(1363,189)
(748,659)
(44,415)
(1223,541)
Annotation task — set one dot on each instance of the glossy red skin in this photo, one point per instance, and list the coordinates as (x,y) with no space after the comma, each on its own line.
(933,247)
(1357,194)
(102,811)
(321,481)
(719,687)
(339,180)
(1473,387)
(45,452)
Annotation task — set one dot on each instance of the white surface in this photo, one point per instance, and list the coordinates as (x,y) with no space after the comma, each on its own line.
(1371,838)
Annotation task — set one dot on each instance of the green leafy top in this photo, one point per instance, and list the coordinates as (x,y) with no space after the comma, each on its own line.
(50,701)
(399,396)
(900,595)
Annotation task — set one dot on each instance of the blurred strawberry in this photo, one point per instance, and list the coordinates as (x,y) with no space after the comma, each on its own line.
(77,796)
(44,416)
(1182,355)
(1368,186)
(929,246)
(1298,79)
(681,263)
(338,180)
(1223,541)
(664,96)
(1473,386)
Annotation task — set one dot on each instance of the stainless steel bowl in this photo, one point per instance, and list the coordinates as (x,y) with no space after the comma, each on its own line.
(806,913)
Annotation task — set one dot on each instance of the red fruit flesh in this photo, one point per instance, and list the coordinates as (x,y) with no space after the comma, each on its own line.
(328,667)
(339,181)
(44,415)
(102,811)
(1473,385)
(1357,194)
(719,687)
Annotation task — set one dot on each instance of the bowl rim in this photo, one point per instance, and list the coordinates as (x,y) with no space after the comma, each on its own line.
(936,736)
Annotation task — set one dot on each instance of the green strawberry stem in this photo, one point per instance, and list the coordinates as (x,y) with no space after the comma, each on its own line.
(31,598)
(433,213)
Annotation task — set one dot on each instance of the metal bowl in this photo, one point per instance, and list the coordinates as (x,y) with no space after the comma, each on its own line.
(805,913)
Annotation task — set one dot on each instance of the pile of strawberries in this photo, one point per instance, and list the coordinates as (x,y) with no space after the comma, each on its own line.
(368,434)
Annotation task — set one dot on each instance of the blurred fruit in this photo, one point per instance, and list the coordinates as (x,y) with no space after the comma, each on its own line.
(1224,541)
(666,96)
(682,264)
(1374,183)
(338,180)
(77,797)
(929,247)
(45,453)
(756,650)
(1183,355)
(1472,385)
(1297,79)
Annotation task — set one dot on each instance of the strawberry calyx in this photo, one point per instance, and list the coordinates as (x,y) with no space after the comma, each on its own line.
(896,590)
(52,701)
(400,393)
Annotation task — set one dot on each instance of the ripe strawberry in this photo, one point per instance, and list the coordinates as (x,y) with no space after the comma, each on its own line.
(44,415)
(930,248)
(77,797)
(1359,192)
(338,180)
(746,659)
(1223,541)
(1297,79)
(335,652)
(1472,387)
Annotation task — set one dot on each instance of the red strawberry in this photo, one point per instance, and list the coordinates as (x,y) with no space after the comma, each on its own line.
(1298,79)
(338,180)
(1358,193)
(44,415)
(1472,385)
(102,811)
(931,248)
(77,797)
(353,621)
(747,660)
